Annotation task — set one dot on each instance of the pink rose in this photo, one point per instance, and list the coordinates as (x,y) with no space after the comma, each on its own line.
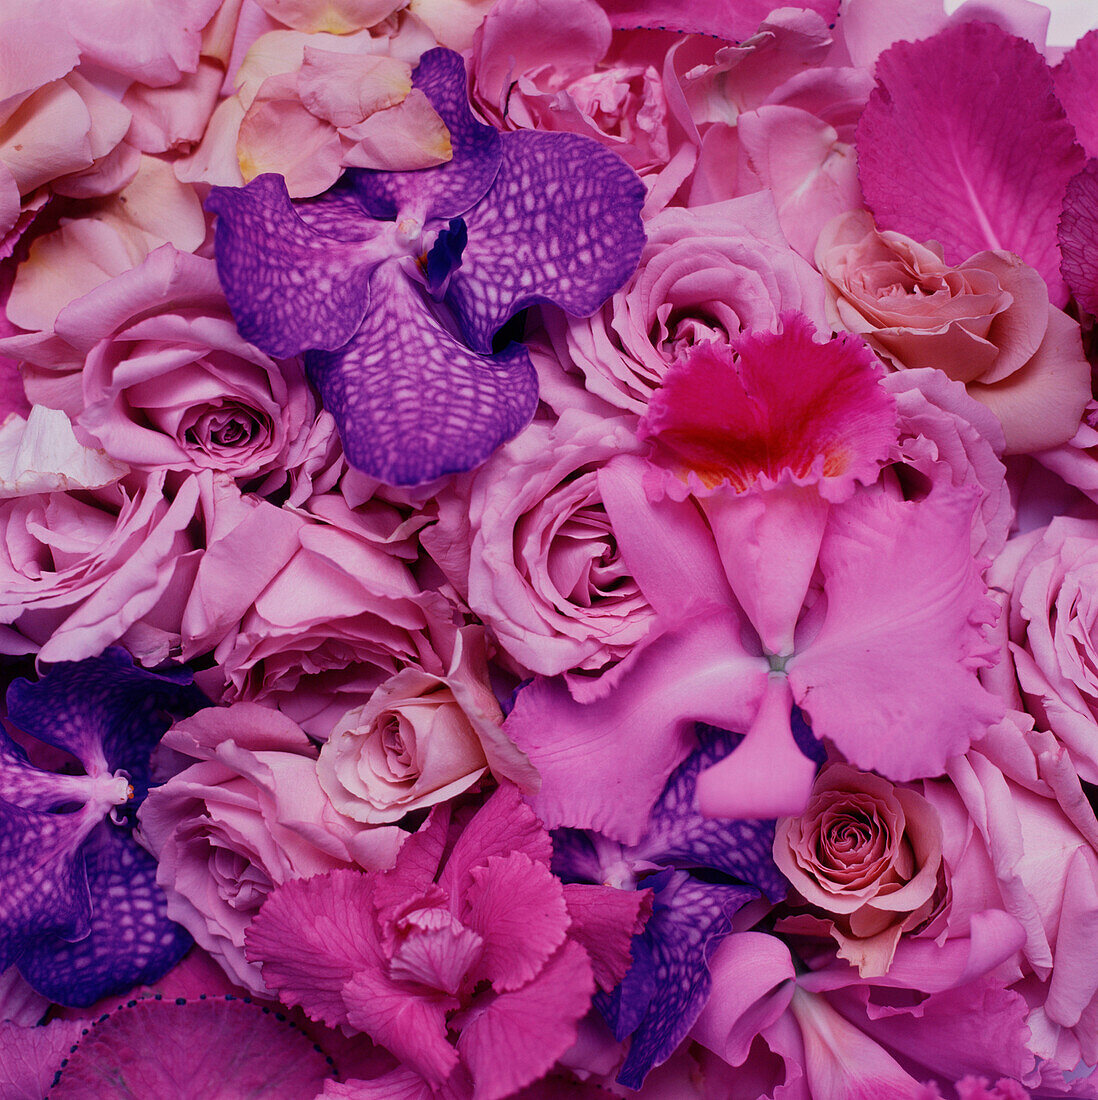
(865,853)
(247,817)
(706,273)
(419,740)
(986,322)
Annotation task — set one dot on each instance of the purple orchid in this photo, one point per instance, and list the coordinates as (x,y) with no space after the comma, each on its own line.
(702,872)
(81,913)
(396,284)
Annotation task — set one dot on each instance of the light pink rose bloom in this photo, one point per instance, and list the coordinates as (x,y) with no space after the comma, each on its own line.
(340,615)
(865,853)
(166,380)
(1076,461)
(247,817)
(705,274)
(419,740)
(986,322)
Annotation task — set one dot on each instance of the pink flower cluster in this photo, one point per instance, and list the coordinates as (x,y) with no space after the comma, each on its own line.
(821,474)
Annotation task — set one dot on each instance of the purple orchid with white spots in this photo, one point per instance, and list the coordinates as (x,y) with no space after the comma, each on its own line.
(396,284)
(81,913)
(702,872)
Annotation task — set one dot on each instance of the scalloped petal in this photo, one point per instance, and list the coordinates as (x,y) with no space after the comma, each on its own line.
(452,188)
(1078,235)
(952,149)
(411,402)
(294,283)
(560,224)
(604,922)
(1076,82)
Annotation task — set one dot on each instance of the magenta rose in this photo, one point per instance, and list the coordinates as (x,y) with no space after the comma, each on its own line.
(986,322)
(248,816)
(166,380)
(705,274)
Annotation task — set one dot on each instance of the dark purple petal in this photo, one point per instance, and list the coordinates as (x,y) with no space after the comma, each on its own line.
(445,256)
(680,837)
(291,286)
(561,224)
(411,402)
(575,857)
(338,214)
(43,887)
(1079,237)
(669,981)
(106,711)
(449,189)
(22,784)
(131,940)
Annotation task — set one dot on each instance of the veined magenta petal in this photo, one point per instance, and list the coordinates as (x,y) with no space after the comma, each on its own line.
(891,676)
(774,407)
(1076,81)
(604,921)
(766,775)
(604,763)
(769,543)
(1078,236)
(950,151)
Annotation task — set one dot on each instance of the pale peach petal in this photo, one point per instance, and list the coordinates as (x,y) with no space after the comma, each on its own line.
(280,135)
(333,16)
(405,137)
(344,89)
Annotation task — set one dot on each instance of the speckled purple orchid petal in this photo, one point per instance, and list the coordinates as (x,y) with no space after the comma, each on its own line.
(561,224)
(411,401)
(44,884)
(106,711)
(679,836)
(1078,235)
(22,784)
(293,285)
(449,189)
(130,941)
(669,981)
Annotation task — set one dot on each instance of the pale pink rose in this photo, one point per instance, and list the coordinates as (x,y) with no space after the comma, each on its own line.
(705,274)
(1076,461)
(545,572)
(78,571)
(986,322)
(340,615)
(166,380)
(419,740)
(249,816)
(948,438)
(548,66)
(865,853)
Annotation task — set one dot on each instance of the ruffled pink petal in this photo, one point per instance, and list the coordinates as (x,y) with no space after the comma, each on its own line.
(437,957)
(732,21)
(518,1036)
(196,1048)
(891,676)
(310,937)
(518,907)
(604,763)
(1078,234)
(1076,81)
(604,922)
(401,1083)
(783,408)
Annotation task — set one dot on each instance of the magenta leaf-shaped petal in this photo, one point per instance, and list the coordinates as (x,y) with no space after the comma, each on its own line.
(30,1056)
(560,224)
(411,401)
(310,937)
(735,21)
(216,1049)
(518,907)
(891,676)
(1076,82)
(1079,237)
(964,142)
(449,189)
(130,939)
(291,286)
(774,406)
(604,922)
(519,1035)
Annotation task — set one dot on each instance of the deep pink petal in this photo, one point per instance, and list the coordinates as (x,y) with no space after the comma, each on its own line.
(1076,81)
(519,1035)
(1078,235)
(517,906)
(948,150)
(604,922)
(891,677)
(310,937)
(782,408)
(604,763)
(30,1056)
(734,21)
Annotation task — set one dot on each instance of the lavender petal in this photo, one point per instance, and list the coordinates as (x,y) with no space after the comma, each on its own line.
(130,941)
(561,224)
(447,190)
(413,403)
(293,285)
(680,837)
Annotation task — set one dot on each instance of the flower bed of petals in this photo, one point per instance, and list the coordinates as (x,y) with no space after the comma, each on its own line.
(548,548)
